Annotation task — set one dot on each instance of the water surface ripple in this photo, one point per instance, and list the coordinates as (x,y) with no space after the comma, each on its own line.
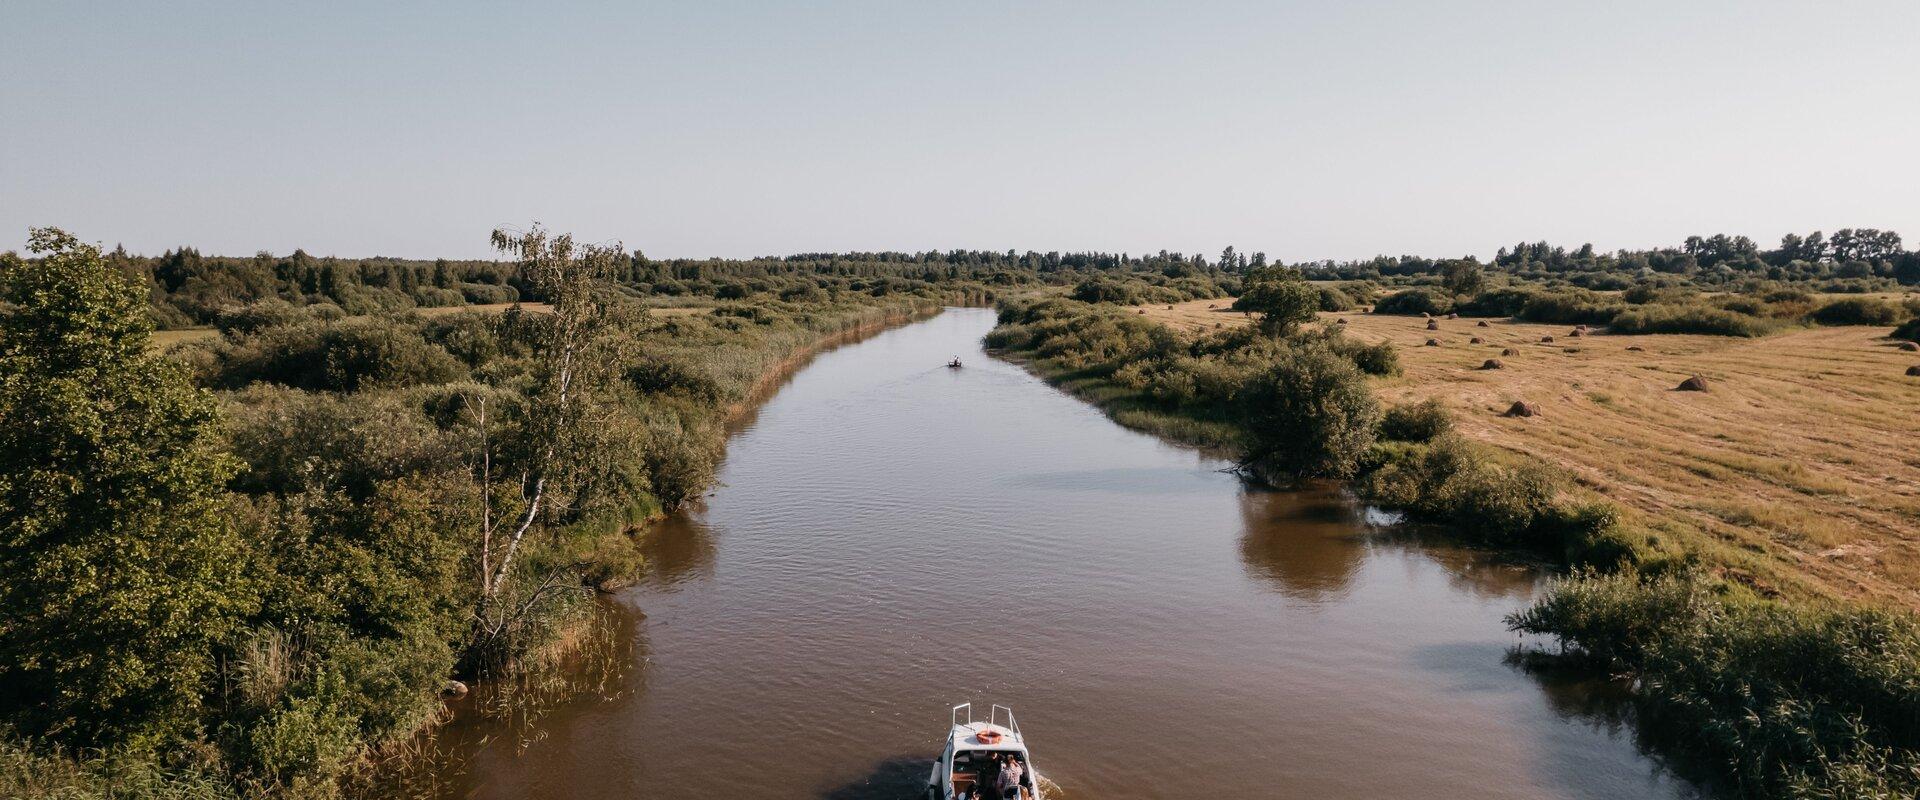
(892,537)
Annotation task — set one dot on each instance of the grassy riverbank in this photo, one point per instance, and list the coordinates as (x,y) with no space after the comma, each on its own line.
(1778,698)
(380,504)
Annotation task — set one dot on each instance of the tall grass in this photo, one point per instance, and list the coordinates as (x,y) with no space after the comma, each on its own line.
(1790,701)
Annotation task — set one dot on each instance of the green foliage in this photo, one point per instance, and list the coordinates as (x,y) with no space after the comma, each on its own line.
(119,571)
(1415,301)
(1691,319)
(1858,311)
(1570,307)
(1309,415)
(1909,330)
(1416,422)
(1283,304)
(1794,702)
(341,357)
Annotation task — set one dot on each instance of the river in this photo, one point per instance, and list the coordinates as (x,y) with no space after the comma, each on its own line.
(891,537)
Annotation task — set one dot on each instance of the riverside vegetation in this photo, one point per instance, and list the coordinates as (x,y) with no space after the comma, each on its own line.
(1758,696)
(247,564)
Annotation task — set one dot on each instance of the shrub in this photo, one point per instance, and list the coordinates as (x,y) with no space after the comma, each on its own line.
(1858,311)
(488,293)
(1571,307)
(1281,304)
(1415,301)
(1801,702)
(257,316)
(342,357)
(1380,358)
(1909,330)
(1310,415)
(1416,422)
(1504,302)
(1691,319)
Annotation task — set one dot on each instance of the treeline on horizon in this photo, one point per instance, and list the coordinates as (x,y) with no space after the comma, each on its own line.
(187,288)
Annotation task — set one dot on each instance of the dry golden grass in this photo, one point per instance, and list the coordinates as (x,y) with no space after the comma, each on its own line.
(1799,468)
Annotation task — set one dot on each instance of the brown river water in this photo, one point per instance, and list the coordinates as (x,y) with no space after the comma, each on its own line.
(892,537)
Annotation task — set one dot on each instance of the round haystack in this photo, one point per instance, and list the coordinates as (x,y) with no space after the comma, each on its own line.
(1577,332)
(1482,324)
(1693,384)
(1169,308)
(1509,352)
(1219,325)
(1433,342)
(1425,315)
(1433,324)
(1453,316)
(1634,348)
(1493,363)
(1910,346)
(1340,321)
(1209,305)
(1143,311)
(1476,340)
(1522,408)
(1543,339)
(1913,371)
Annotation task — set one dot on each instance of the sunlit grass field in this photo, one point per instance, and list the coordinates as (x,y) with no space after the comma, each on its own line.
(1798,470)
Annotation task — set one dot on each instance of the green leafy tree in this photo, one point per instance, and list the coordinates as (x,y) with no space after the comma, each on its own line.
(1282,298)
(1463,277)
(1309,416)
(119,572)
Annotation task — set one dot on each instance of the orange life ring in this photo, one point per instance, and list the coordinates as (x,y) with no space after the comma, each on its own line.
(987,736)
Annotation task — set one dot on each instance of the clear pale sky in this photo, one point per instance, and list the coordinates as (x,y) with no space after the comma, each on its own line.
(1304,129)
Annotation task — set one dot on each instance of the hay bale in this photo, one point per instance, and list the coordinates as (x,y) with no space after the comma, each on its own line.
(1493,363)
(1209,305)
(1433,324)
(1509,352)
(1522,408)
(1143,312)
(1543,339)
(1340,321)
(1482,324)
(1433,342)
(1169,308)
(1910,347)
(1476,340)
(1634,348)
(1577,332)
(1693,384)
(1453,316)
(1425,315)
(1913,372)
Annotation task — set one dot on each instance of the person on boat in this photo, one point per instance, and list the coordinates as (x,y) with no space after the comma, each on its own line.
(1006,784)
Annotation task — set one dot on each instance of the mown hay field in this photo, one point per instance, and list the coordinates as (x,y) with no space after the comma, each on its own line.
(1798,470)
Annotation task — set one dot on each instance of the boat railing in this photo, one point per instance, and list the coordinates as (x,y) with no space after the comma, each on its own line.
(1012,725)
(956,714)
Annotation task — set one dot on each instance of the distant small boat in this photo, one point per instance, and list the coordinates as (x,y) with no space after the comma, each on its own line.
(967,767)
(954,364)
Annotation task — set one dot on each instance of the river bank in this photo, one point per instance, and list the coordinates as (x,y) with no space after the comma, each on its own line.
(1812,723)
(889,537)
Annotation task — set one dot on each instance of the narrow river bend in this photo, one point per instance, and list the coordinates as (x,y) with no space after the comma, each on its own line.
(892,537)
